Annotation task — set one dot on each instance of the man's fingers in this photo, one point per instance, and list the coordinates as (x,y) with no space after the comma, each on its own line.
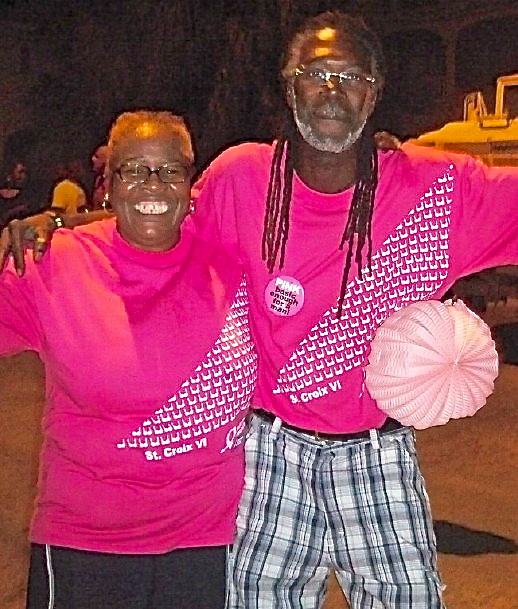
(5,247)
(42,234)
(35,231)
(16,235)
(39,247)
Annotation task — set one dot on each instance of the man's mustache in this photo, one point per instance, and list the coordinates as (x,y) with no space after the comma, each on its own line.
(333,111)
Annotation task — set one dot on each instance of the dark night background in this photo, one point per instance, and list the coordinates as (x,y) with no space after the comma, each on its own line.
(80,63)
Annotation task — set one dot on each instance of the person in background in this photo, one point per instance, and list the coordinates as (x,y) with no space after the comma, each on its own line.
(12,204)
(17,177)
(68,197)
(98,160)
(149,367)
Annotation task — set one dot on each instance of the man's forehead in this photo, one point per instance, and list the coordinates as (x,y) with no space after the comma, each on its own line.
(331,43)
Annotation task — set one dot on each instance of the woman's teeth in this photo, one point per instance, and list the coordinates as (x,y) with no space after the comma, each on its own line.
(151,208)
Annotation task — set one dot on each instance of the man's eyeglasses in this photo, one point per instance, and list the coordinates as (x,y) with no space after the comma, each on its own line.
(348,79)
(134,173)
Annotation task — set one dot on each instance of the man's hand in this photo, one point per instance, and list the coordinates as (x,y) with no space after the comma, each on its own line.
(35,231)
(386,141)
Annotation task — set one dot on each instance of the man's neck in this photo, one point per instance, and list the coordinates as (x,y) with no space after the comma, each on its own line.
(325,171)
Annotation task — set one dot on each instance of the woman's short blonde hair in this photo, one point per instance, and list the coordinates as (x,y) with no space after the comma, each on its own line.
(146,123)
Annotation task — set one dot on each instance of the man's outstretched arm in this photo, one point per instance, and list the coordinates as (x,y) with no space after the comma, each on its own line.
(36,232)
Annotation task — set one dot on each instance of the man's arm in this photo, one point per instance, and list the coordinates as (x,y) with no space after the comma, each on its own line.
(36,232)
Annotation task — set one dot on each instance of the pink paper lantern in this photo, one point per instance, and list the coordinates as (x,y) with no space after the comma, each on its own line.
(431,362)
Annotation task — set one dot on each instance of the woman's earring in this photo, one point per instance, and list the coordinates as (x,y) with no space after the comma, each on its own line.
(106,205)
(192,207)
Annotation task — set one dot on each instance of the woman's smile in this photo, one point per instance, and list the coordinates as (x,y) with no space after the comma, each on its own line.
(152,208)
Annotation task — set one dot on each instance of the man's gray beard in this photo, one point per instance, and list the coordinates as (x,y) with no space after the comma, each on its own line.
(325,144)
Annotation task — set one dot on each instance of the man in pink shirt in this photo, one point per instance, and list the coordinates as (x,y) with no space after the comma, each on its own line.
(349,235)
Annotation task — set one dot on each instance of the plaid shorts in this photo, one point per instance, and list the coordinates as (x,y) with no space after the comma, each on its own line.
(358,507)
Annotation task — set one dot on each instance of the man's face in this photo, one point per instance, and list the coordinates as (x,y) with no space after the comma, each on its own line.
(332,95)
(19,174)
(149,213)
(99,158)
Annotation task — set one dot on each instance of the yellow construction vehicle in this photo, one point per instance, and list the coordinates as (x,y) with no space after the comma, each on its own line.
(490,137)
(493,138)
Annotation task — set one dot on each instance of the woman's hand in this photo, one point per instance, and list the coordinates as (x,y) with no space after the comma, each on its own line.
(35,231)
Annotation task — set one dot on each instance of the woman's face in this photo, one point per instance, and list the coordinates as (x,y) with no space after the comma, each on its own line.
(150,207)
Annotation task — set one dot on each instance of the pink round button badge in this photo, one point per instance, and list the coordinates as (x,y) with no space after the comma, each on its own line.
(284,296)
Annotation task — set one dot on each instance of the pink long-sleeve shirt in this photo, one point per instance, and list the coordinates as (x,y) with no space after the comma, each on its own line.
(149,371)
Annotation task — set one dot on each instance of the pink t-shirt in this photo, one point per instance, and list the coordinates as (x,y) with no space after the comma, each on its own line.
(437,217)
(149,371)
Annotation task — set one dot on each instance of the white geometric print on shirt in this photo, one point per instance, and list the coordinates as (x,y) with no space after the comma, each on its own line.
(218,390)
(411,264)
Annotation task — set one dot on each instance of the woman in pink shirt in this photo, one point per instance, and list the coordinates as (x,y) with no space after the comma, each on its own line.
(143,331)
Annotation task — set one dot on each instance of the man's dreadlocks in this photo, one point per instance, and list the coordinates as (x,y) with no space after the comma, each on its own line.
(277,215)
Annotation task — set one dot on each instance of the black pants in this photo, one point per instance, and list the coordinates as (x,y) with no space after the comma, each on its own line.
(182,579)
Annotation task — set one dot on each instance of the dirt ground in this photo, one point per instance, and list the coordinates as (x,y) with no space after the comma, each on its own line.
(469,465)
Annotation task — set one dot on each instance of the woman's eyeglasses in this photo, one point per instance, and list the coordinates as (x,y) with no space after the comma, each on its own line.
(134,173)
